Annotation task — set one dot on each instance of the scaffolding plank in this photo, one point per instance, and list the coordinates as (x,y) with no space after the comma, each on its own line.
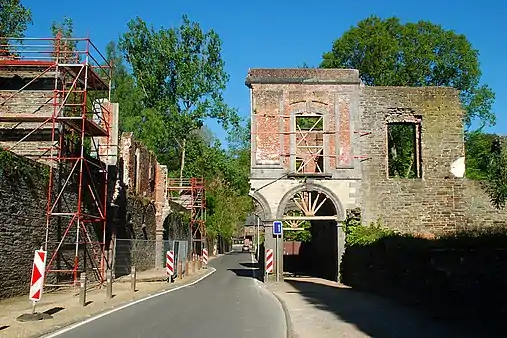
(91,128)
(26,63)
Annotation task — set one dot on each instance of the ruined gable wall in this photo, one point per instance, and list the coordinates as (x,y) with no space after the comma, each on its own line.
(140,185)
(437,202)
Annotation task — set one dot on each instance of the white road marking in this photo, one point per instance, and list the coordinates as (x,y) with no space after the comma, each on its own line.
(76,325)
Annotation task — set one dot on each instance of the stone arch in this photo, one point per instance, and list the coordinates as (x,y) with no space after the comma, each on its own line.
(340,212)
(265,212)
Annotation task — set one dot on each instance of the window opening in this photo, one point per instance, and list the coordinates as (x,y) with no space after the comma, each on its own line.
(309,144)
(404,150)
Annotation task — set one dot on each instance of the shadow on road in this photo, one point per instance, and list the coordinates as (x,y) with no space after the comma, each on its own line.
(251,270)
(375,316)
(249,265)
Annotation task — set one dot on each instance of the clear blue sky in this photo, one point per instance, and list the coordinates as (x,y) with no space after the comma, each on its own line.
(287,33)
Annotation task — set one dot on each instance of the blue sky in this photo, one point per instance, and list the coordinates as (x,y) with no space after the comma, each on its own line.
(287,33)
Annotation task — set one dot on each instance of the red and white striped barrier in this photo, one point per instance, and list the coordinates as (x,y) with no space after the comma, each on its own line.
(38,271)
(205,256)
(169,264)
(269,260)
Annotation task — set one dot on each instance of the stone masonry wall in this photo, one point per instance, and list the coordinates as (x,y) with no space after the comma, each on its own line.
(438,201)
(22,224)
(23,214)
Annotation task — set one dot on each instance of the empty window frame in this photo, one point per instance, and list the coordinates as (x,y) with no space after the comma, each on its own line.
(309,144)
(404,150)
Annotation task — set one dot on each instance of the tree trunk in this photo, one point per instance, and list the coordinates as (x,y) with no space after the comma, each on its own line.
(184,147)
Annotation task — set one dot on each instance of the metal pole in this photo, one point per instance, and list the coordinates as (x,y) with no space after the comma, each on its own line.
(109,284)
(82,291)
(258,239)
(133,279)
(276,257)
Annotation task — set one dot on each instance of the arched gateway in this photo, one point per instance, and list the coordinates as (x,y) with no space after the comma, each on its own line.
(303,171)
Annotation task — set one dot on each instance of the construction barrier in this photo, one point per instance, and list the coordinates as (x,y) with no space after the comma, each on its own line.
(205,257)
(269,260)
(170,262)
(38,271)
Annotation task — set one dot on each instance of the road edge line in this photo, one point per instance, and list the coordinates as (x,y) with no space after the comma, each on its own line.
(124,306)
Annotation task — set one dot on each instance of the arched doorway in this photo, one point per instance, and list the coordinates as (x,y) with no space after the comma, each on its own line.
(310,214)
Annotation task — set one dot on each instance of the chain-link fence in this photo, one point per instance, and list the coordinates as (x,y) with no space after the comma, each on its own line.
(144,254)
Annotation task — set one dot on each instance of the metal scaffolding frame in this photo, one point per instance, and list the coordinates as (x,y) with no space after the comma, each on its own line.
(73,74)
(191,194)
(316,151)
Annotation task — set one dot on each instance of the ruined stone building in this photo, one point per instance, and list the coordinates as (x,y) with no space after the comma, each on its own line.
(321,145)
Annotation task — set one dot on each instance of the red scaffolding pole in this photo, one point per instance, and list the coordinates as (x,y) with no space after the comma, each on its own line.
(191,194)
(48,109)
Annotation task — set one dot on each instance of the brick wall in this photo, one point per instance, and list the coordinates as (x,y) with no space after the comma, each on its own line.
(278,95)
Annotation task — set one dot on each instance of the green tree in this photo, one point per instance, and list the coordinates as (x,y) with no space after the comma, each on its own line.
(478,147)
(496,183)
(14,20)
(388,53)
(63,32)
(180,72)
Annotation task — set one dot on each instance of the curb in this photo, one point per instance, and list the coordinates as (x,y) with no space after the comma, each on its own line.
(288,322)
(60,329)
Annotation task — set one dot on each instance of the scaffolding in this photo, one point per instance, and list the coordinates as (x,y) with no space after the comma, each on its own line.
(307,131)
(54,95)
(191,194)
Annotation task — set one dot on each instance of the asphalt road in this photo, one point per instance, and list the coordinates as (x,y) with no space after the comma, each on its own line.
(229,303)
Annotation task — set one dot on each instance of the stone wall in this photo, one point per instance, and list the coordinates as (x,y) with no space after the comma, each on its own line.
(22,222)
(135,218)
(28,103)
(438,201)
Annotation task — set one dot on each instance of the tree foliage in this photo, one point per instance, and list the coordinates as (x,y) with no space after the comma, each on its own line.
(168,82)
(14,19)
(64,46)
(180,72)
(496,183)
(389,53)
(478,147)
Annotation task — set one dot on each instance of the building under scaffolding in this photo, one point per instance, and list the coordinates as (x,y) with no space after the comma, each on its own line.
(54,108)
(191,194)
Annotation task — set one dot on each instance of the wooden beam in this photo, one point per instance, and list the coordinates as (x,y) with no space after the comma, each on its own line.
(310,218)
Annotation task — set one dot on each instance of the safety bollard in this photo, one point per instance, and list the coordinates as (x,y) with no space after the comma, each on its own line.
(133,276)
(82,290)
(109,284)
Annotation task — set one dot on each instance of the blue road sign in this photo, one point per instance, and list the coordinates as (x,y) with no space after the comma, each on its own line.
(277,228)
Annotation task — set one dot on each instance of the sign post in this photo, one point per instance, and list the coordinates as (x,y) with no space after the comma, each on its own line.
(278,234)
